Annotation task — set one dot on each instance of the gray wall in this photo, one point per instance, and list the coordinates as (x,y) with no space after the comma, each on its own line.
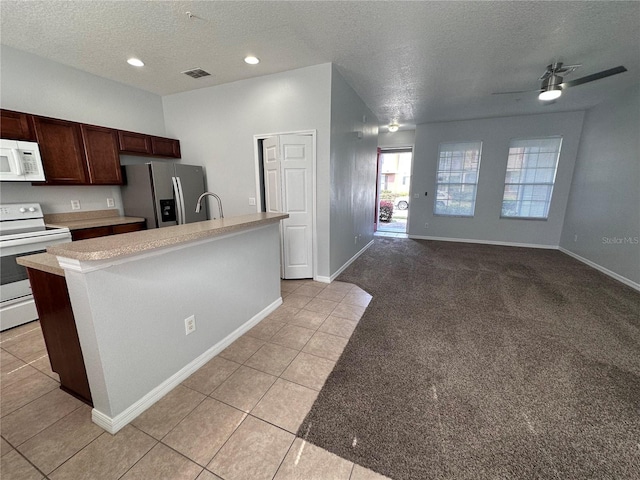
(495,134)
(155,294)
(216,126)
(604,204)
(353,172)
(401,138)
(36,85)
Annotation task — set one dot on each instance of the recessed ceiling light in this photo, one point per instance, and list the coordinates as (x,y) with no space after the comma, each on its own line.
(252,60)
(394,127)
(136,62)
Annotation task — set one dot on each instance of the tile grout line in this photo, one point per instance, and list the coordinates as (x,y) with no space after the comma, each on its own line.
(31,401)
(40,431)
(285,456)
(19,335)
(181,420)
(353,467)
(145,454)
(23,456)
(72,456)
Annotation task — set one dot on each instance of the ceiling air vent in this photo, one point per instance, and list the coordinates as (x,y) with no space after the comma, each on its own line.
(196,73)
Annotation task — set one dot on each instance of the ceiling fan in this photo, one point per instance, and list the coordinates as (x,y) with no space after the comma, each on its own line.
(552,84)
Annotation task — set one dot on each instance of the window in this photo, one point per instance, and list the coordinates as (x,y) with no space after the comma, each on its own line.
(531,173)
(458,165)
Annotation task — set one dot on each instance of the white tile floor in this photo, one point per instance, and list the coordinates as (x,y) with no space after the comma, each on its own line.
(234,419)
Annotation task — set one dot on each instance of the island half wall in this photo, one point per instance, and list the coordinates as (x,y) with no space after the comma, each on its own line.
(131,295)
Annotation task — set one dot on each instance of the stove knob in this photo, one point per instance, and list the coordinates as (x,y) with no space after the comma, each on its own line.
(22,209)
(31,209)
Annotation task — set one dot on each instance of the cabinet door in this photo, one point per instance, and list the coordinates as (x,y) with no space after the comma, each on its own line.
(103,157)
(131,142)
(94,232)
(16,126)
(61,150)
(165,147)
(128,227)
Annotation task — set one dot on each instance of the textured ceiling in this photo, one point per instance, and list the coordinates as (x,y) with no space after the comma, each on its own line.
(413,62)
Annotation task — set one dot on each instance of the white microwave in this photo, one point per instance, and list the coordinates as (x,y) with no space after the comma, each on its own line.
(20,162)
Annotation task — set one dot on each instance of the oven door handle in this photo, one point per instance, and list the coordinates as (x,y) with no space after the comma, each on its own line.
(31,240)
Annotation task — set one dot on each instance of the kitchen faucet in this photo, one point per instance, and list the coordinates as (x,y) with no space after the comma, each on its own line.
(199,202)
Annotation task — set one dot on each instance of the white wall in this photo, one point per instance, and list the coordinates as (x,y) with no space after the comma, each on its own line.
(604,204)
(401,138)
(36,85)
(353,172)
(495,134)
(216,126)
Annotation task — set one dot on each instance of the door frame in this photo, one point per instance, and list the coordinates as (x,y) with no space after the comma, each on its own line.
(393,149)
(257,154)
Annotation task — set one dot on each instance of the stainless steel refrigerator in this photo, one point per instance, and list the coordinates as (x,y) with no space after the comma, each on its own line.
(164,193)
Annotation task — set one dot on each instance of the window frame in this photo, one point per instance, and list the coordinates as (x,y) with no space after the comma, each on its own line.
(477,173)
(552,184)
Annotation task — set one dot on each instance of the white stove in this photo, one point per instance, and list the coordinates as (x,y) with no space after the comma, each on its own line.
(22,232)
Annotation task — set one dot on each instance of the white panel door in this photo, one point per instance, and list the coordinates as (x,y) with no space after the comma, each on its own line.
(296,160)
(271,161)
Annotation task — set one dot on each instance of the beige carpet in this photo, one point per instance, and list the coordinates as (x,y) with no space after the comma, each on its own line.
(483,362)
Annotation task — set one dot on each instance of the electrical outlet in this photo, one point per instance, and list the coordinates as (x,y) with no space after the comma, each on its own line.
(110,203)
(426,225)
(190,324)
(355,240)
(252,201)
(575,237)
(416,195)
(75,204)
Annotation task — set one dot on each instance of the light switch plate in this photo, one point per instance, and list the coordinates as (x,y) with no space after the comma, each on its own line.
(75,204)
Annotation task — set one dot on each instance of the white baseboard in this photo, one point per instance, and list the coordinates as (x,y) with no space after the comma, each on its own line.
(113,424)
(606,271)
(349,262)
(322,279)
(484,242)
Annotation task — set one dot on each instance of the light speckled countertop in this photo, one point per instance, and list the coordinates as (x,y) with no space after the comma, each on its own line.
(88,219)
(104,248)
(44,262)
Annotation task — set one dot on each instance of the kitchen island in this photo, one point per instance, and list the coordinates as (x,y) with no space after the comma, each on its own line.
(134,294)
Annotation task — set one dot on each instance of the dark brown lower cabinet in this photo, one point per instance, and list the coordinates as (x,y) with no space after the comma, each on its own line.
(59,330)
(94,232)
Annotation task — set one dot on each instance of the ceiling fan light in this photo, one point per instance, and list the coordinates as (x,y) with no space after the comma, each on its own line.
(393,127)
(136,62)
(551,93)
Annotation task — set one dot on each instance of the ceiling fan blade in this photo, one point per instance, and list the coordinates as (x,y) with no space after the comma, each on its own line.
(595,76)
(517,91)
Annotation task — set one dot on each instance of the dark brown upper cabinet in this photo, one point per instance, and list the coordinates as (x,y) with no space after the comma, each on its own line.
(78,154)
(16,126)
(140,144)
(62,151)
(135,143)
(102,154)
(165,147)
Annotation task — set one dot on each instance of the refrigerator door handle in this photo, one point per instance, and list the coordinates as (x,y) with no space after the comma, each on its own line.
(177,193)
(182,209)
